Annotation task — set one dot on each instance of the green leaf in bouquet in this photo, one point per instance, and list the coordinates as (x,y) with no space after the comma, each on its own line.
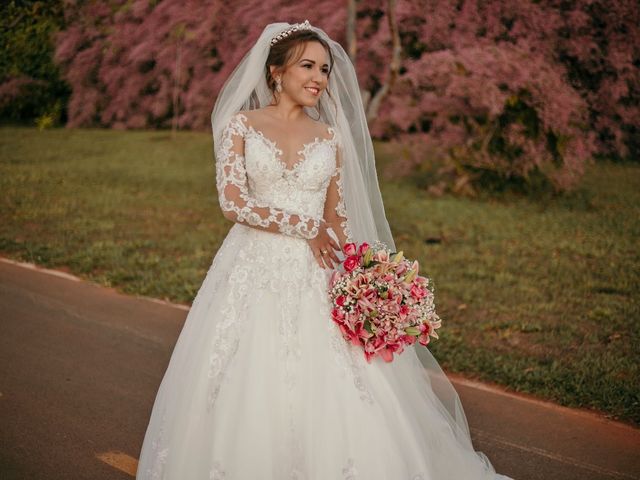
(398,257)
(367,326)
(368,256)
(410,276)
(412,331)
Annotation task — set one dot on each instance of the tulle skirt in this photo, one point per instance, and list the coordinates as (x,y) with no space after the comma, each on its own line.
(262,386)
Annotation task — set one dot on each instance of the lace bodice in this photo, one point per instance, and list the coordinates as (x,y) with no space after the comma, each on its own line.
(257,188)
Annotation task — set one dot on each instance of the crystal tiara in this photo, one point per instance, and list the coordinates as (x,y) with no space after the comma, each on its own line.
(294,28)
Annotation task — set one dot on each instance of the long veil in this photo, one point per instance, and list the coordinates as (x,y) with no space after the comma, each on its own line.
(246,89)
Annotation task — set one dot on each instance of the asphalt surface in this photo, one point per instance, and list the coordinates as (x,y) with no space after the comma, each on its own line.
(80,366)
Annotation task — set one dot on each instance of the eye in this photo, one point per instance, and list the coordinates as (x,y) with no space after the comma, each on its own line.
(307,65)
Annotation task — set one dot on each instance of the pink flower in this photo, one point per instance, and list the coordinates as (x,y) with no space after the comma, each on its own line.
(418,292)
(360,278)
(409,339)
(371,294)
(416,266)
(351,263)
(381,256)
(378,343)
(369,355)
(337,315)
(386,354)
(425,328)
(349,249)
(346,333)
(387,298)
(400,269)
(363,248)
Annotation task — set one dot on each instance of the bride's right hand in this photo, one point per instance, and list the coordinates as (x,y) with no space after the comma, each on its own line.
(323,246)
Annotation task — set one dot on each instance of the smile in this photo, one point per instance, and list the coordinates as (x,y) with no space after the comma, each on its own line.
(313,90)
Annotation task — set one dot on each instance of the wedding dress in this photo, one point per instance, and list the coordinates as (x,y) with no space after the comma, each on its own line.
(261,385)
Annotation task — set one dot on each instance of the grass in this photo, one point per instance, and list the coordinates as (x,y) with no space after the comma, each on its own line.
(537,295)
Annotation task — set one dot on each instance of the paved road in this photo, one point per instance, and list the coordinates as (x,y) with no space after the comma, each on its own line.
(80,366)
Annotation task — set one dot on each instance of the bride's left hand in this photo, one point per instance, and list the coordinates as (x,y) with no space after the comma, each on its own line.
(323,246)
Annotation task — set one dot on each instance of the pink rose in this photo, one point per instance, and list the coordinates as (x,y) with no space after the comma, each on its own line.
(363,248)
(349,249)
(351,263)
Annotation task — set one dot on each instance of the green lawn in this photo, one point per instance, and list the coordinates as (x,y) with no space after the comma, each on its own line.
(540,296)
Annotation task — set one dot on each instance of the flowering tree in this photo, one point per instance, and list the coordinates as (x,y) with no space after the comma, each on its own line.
(489,90)
(125,61)
(480,89)
(599,43)
(139,63)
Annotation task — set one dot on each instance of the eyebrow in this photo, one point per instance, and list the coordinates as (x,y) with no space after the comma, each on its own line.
(313,61)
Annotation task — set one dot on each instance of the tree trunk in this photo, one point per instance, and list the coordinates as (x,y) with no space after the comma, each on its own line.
(352,44)
(394,66)
(176,89)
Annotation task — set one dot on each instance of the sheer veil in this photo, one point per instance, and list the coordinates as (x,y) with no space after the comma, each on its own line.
(246,89)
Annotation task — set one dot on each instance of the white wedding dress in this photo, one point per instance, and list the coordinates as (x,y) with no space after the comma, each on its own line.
(261,385)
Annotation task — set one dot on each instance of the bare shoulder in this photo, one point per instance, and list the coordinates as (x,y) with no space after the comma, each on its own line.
(255,116)
(323,130)
(248,114)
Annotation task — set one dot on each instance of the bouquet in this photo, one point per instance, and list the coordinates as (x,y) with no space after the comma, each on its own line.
(380,302)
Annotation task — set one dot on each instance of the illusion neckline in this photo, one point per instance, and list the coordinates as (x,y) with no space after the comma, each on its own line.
(302,154)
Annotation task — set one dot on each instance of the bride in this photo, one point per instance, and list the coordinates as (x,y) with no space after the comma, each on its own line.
(261,385)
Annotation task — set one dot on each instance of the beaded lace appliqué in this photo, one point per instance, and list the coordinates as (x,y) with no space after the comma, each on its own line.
(340,207)
(243,206)
(160,452)
(217,473)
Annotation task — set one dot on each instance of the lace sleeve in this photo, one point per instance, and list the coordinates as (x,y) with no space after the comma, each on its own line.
(335,213)
(236,201)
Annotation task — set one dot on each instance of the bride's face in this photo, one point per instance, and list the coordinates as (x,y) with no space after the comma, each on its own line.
(305,80)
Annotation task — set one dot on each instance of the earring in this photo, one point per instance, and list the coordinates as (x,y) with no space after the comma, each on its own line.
(278,85)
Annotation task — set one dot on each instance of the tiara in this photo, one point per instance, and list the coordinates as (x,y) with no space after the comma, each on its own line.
(294,28)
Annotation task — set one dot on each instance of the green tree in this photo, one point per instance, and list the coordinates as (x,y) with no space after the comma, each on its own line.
(31,88)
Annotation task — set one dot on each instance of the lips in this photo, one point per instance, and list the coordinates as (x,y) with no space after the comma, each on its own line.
(313,90)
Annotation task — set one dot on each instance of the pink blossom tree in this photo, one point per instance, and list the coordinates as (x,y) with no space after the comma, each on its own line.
(502,89)
(488,89)
(135,64)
